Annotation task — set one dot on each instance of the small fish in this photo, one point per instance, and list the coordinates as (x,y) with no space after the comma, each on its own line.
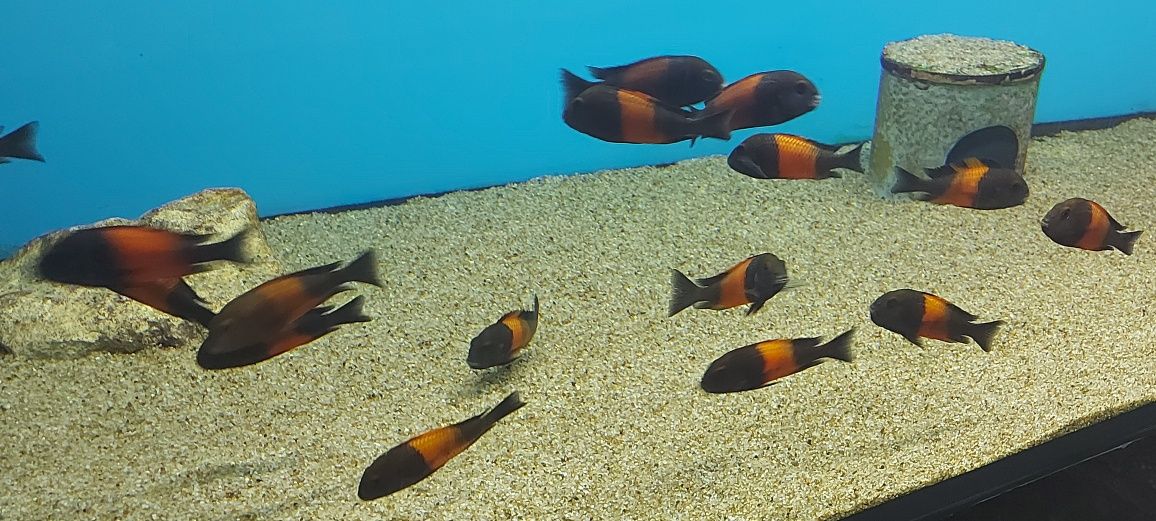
(784,156)
(916,314)
(501,342)
(20,144)
(766,98)
(752,281)
(420,456)
(314,324)
(172,296)
(759,364)
(262,313)
(676,80)
(133,256)
(973,183)
(1085,224)
(625,116)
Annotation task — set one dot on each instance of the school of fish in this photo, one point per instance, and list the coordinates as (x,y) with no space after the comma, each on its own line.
(650,101)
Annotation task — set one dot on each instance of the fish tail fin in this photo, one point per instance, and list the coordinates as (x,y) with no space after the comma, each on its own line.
(535,304)
(573,85)
(21,143)
(983,333)
(684,292)
(716,125)
(362,269)
(839,347)
(231,249)
(850,159)
(511,403)
(1125,240)
(906,182)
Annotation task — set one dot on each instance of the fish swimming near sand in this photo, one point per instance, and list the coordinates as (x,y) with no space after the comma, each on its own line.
(133,256)
(675,80)
(262,314)
(973,183)
(1084,224)
(786,156)
(313,325)
(765,99)
(422,455)
(20,144)
(172,296)
(625,116)
(915,314)
(501,342)
(752,281)
(762,363)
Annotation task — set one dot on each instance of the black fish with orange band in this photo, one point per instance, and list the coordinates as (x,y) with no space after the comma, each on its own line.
(762,363)
(422,455)
(313,325)
(501,342)
(786,156)
(263,313)
(625,116)
(765,99)
(676,80)
(1084,224)
(752,281)
(129,256)
(972,183)
(915,314)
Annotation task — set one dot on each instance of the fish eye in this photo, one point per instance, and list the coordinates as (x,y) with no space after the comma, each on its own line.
(801,87)
(1065,213)
(709,76)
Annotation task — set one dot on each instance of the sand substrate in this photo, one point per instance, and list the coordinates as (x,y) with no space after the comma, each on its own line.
(616,426)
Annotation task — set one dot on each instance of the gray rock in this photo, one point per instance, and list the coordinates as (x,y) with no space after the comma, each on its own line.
(45,319)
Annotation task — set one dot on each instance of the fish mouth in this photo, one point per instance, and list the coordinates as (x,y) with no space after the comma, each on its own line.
(815,101)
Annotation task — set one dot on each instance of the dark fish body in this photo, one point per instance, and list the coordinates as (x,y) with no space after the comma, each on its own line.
(785,156)
(766,98)
(262,313)
(172,296)
(998,144)
(914,314)
(129,256)
(625,116)
(756,365)
(420,456)
(1084,224)
(501,342)
(314,324)
(752,281)
(973,183)
(20,143)
(676,80)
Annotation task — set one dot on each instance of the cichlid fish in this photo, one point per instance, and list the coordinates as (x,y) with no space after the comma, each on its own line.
(785,156)
(422,455)
(133,256)
(973,183)
(916,314)
(759,364)
(1081,223)
(765,98)
(501,342)
(625,116)
(753,281)
(675,80)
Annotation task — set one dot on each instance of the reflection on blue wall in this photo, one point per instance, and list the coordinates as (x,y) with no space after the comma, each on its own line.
(315,104)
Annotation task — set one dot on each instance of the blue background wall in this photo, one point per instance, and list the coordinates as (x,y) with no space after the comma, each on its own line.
(314,104)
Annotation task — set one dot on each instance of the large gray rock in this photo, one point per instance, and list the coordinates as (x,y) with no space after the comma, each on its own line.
(45,319)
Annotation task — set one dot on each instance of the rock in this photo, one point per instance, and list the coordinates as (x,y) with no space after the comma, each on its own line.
(44,319)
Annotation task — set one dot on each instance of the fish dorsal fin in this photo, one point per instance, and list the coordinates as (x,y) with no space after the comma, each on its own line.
(998,143)
(710,281)
(573,85)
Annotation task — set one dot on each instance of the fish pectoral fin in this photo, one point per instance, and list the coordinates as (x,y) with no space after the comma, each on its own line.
(755,306)
(914,339)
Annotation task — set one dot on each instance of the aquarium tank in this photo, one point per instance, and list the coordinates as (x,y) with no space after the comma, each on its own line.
(649,260)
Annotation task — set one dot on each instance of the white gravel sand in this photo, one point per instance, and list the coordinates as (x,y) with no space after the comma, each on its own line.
(616,426)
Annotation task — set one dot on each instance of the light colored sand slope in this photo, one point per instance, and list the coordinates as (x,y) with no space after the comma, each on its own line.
(616,426)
